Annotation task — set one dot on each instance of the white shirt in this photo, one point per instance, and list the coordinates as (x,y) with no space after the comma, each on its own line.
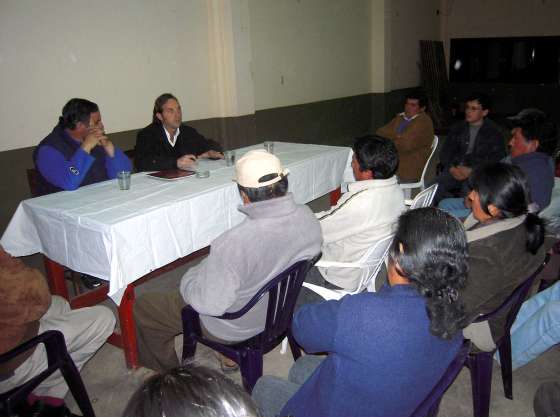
(366,213)
(173,140)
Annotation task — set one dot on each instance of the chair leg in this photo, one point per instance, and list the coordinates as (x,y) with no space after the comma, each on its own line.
(505,362)
(189,347)
(480,365)
(294,347)
(77,388)
(251,368)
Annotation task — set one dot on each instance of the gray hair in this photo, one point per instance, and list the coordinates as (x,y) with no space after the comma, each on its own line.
(193,391)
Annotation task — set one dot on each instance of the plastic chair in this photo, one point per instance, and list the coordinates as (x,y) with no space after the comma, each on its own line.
(480,363)
(421,184)
(430,406)
(58,359)
(282,293)
(370,264)
(423,199)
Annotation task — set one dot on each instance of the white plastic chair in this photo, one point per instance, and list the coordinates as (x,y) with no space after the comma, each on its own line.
(421,184)
(370,264)
(423,198)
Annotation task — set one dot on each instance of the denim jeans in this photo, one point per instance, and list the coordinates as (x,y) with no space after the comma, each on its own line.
(272,393)
(537,326)
(455,207)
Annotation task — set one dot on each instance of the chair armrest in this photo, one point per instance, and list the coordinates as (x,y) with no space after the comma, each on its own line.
(408,202)
(411,185)
(326,293)
(330,264)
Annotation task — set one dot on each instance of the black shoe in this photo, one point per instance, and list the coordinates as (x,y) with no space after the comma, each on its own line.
(41,409)
(91,282)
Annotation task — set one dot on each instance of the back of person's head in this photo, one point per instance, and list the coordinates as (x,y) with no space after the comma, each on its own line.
(430,249)
(505,187)
(190,391)
(75,111)
(483,99)
(260,176)
(418,95)
(377,154)
(159,103)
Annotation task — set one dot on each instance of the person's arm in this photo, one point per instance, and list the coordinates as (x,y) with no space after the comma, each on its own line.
(315,326)
(450,149)
(65,174)
(211,286)
(493,147)
(119,162)
(148,154)
(198,145)
(389,131)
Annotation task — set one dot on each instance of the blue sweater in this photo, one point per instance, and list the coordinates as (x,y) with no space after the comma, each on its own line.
(539,169)
(382,359)
(64,165)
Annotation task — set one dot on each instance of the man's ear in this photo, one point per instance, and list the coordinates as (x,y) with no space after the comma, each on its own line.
(158,115)
(484,113)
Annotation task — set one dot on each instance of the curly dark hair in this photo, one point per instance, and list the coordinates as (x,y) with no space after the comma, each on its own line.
(430,250)
(75,111)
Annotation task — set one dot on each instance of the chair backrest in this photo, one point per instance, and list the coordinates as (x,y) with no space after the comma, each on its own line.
(425,197)
(432,153)
(57,359)
(512,304)
(282,292)
(430,405)
(373,260)
(33,182)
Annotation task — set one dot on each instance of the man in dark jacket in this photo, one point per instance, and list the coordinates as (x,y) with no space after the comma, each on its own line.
(469,143)
(166,143)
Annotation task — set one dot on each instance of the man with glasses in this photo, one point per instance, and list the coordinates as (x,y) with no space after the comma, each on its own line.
(469,143)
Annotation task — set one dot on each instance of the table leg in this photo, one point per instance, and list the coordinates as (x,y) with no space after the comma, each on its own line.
(55,278)
(128,330)
(335,195)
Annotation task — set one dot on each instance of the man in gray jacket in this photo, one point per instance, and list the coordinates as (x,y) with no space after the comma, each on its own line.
(275,234)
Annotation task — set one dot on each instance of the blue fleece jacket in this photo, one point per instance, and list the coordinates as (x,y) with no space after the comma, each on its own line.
(382,359)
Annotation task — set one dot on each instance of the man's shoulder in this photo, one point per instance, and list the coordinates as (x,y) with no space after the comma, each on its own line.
(56,135)
(152,130)
(458,128)
(491,128)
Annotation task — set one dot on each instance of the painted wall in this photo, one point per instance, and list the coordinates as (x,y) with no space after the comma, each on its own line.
(118,54)
(312,50)
(408,22)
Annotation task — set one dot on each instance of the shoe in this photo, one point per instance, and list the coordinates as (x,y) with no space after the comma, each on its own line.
(227,365)
(41,409)
(90,282)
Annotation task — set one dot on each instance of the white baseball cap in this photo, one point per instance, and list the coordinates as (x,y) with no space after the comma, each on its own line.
(259,168)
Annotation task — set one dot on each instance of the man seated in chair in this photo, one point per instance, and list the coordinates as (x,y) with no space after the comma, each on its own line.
(28,309)
(275,234)
(413,134)
(363,215)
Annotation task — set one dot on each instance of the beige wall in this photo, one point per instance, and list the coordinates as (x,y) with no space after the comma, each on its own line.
(311,50)
(408,22)
(120,54)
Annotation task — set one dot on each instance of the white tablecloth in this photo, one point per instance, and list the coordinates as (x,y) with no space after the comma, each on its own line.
(122,235)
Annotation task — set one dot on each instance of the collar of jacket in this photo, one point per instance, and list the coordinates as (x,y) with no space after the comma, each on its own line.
(275,207)
(491,229)
(365,184)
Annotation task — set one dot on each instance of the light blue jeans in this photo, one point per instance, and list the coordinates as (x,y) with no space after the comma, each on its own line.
(455,207)
(272,393)
(537,326)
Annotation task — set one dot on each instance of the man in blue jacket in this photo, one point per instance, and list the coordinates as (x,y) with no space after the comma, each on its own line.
(77,152)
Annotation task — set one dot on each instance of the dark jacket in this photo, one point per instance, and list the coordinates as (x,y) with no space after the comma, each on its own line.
(153,151)
(498,263)
(489,145)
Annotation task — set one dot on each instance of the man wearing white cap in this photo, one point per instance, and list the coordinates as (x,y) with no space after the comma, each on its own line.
(275,234)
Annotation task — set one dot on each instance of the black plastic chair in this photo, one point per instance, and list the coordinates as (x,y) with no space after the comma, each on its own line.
(430,406)
(480,363)
(282,292)
(58,359)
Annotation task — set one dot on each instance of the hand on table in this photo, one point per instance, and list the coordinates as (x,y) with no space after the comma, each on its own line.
(212,155)
(186,162)
(460,173)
